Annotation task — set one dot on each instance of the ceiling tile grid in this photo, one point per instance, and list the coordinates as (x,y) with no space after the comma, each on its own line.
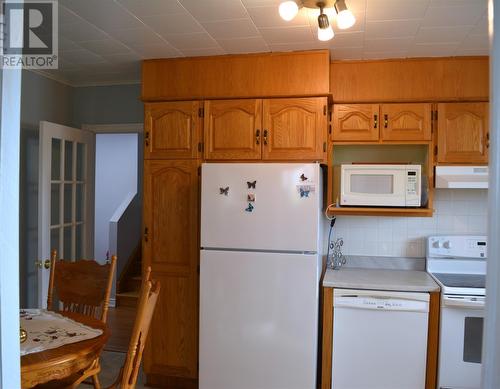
(103,41)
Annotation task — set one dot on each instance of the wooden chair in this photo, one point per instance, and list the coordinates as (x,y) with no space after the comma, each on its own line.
(82,286)
(150,290)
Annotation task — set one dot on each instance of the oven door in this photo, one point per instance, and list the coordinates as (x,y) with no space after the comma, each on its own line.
(373,186)
(461,339)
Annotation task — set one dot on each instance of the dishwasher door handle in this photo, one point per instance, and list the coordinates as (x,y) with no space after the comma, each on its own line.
(377,303)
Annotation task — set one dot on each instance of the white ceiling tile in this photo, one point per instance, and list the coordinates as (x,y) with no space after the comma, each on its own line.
(105,14)
(121,58)
(164,50)
(348,39)
(66,16)
(269,17)
(179,23)
(384,54)
(347,53)
(295,46)
(356,5)
(82,57)
(152,7)
(472,52)
(243,45)
(107,46)
(261,3)
(433,50)
(458,3)
(199,40)
(442,34)
(395,9)
(137,36)
(213,10)
(481,27)
(81,31)
(237,28)
(67,45)
(473,42)
(287,35)
(393,44)
(203,52)
(391,29)
(455,16)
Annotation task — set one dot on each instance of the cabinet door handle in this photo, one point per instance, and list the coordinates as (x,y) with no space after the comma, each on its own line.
(265,137)
(146,139)
(257,137)
(375,121)
(146,234)
(386,120)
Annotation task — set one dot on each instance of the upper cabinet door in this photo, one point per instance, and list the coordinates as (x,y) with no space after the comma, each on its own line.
(233,129)
(355,122)
(172,130)
(463,133)
(294,129)
(406,121)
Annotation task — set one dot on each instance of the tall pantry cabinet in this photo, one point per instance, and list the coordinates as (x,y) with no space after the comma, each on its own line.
(171,239)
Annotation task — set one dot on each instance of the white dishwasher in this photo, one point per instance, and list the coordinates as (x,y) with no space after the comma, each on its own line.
(379,339)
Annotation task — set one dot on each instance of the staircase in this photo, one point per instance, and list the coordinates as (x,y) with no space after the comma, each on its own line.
(129,283)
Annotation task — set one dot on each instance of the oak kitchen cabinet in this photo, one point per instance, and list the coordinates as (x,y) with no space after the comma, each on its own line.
(387,122)
(172,130)
(171,248)
(291,129)
(463,133)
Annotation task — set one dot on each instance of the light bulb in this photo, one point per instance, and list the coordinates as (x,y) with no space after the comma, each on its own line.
(345,19)
(325,34)
(288,10)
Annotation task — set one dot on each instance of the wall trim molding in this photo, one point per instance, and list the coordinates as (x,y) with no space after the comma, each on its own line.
(114,128)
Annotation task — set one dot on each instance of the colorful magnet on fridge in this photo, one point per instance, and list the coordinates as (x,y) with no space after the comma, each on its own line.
(224,191)
(249,208)
(303,177)
(251,184)
(304,193)
(251,197)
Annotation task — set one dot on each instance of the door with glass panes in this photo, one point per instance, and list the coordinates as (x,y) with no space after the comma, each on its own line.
(65,197)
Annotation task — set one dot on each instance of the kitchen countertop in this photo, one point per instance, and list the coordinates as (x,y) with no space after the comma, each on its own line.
(380,279)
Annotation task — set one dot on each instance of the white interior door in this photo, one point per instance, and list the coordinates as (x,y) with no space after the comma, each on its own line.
(65,197)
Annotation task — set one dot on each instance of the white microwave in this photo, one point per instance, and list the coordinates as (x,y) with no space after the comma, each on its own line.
(381,185)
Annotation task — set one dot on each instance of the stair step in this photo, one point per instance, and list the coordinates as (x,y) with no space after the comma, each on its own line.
(127,299)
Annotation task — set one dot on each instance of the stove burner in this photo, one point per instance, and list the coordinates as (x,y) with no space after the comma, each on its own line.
(461,280)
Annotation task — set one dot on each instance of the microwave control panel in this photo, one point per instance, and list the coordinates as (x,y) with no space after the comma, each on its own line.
(411,182)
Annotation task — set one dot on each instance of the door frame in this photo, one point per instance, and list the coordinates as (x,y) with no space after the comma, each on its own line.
(10,122)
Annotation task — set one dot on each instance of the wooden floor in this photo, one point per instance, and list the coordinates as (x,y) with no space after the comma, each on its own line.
(120,323)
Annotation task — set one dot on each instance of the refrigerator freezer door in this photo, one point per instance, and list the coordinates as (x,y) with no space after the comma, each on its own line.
(283,212)
(258,320)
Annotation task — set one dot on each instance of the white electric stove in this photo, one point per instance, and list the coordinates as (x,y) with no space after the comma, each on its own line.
(458,264)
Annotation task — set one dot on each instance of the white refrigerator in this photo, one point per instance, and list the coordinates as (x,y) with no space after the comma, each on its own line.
(260,265)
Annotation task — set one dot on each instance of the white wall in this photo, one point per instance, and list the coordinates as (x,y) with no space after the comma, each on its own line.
(115,178)
(457,211)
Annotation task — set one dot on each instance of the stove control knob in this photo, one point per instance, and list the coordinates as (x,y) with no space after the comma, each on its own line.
(436,244)
(447,244)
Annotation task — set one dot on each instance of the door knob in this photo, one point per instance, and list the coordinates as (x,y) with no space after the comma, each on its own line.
(39,264)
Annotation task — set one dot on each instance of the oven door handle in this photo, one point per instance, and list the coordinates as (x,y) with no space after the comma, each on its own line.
(463,302)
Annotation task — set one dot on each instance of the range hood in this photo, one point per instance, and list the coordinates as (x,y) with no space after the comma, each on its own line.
(462,177)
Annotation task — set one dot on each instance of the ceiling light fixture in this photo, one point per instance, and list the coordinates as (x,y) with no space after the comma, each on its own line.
(344,18)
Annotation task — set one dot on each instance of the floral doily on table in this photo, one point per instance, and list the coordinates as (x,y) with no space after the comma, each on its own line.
(47,330)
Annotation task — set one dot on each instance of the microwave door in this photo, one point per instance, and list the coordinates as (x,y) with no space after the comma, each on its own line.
(374,187)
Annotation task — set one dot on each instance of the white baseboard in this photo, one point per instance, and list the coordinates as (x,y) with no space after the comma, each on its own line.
(112,302)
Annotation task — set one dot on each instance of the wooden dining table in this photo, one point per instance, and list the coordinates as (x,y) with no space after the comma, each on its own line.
(64,361)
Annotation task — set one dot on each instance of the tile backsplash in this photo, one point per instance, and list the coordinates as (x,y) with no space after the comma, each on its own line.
(457,211)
